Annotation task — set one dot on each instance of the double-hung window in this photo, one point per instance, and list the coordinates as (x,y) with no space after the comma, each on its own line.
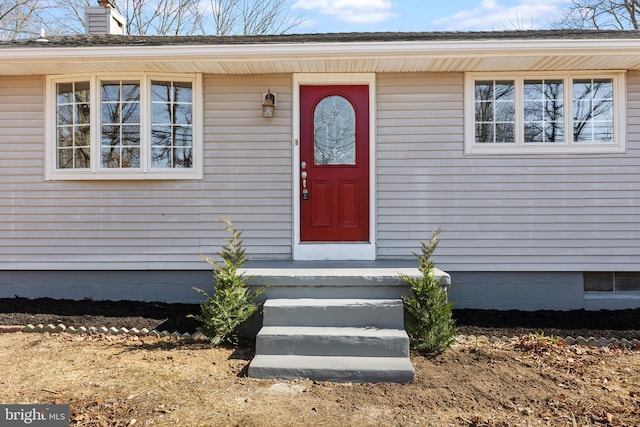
(124,127)
(544,113)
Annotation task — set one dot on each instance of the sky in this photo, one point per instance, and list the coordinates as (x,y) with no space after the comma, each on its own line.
(427,15)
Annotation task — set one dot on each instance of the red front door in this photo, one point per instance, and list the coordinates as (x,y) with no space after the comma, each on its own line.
(334,163)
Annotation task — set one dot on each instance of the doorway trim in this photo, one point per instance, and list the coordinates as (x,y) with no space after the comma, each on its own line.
(334,251)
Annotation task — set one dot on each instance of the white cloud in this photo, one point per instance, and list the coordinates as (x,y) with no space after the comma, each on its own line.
(350,11)
(492,15)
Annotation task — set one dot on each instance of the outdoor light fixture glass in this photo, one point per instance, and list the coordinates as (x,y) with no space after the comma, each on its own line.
(269,105)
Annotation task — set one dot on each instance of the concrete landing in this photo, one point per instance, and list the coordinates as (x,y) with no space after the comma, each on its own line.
(334,279)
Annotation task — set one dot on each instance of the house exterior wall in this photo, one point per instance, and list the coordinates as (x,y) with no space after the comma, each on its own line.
(499,212)
(146,224)
(526,215)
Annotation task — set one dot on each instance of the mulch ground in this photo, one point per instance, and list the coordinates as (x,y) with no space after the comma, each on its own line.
(173,317)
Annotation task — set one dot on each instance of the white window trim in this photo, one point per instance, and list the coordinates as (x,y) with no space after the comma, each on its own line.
(145,171)
(568,147)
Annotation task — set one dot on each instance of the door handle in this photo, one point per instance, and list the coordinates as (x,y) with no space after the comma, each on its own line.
(305,191)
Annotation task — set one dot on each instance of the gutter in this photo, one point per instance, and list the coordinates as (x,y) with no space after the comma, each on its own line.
(221,53)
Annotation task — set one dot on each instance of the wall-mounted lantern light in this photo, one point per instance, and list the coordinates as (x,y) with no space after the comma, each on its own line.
(269,104)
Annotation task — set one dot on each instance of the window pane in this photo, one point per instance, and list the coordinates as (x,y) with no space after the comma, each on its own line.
(484,132)
(130,135)
(533,132)
(484,91)
(183,114)
(161,135)
(543,102)
(110,135)
(533,111)
(161,91)
(65,158)
(334,131)
(183,92)
(183,157)
(554,132)
(110,157)
(532,89)
(484,111)
(504,111)
(73,128)
(160,113)
(81,158)
(183,136)
(131,157)
(110,113)
(171,117)
(81,91)
(65,115)
(65,93)
(131,112)
(593,110)
(504,90)
(120,157)
(130,91)
(161,157)
(120,119)
(82,136)
(83,115)
(110,91)
(505,132)
(65,137)
(495,111)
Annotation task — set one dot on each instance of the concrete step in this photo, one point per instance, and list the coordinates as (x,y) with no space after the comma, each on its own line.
(332,341)
(333,368)
(381,313)
(329,339)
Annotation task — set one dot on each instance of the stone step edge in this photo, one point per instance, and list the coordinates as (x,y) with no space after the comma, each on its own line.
(582,341)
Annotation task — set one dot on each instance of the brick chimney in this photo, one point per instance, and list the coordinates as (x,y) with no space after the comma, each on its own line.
(104,19)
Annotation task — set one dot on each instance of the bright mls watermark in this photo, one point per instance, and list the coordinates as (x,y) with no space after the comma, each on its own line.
(34,415)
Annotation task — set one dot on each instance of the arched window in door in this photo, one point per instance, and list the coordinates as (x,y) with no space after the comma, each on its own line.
(334,123)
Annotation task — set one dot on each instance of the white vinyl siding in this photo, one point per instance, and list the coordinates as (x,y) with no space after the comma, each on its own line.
(248,161)
(505,212)
(499,213)
(148,224)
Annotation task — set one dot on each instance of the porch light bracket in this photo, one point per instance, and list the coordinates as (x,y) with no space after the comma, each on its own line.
(269,104)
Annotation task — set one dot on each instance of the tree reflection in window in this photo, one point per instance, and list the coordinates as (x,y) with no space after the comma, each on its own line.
(592,110)
(334,121)
(120,124)
(171,124)
(543,111)
(495,111)
(73,126)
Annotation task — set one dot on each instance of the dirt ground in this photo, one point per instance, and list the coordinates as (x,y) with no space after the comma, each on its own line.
(124,381)
(530,380)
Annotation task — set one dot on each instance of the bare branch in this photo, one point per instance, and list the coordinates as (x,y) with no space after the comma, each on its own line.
(20,17)
(602,15)
(220,17)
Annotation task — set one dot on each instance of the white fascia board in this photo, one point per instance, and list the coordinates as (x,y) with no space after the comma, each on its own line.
(449,48)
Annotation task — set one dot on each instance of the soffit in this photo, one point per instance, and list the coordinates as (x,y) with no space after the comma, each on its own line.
(325,57)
